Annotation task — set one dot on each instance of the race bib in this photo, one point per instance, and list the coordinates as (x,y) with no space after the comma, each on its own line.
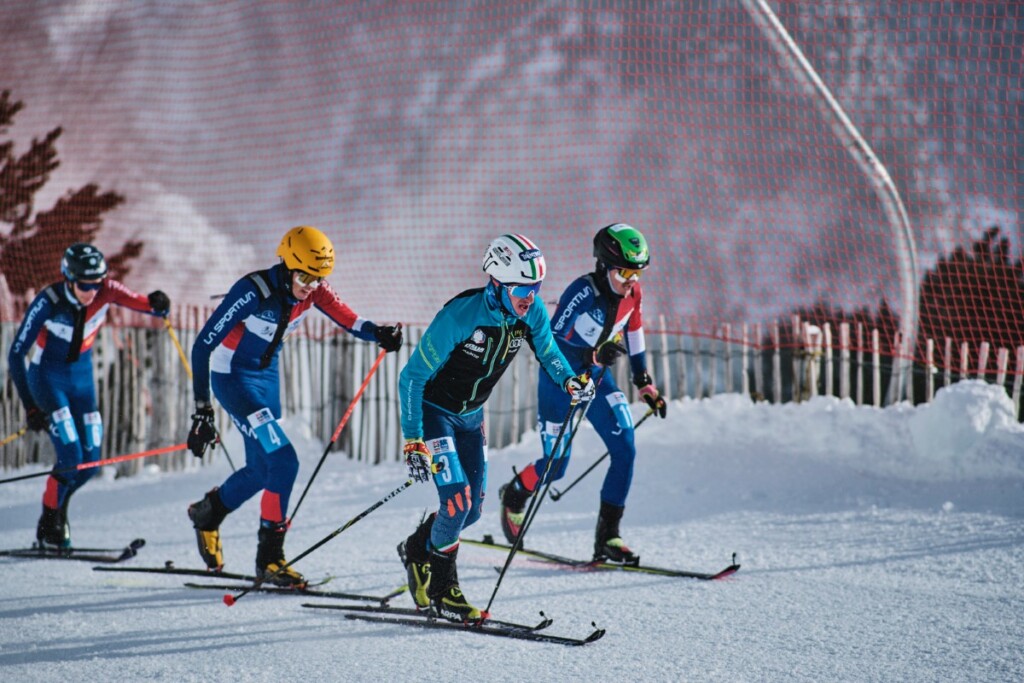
(267,431)
(64,425)
(93,430)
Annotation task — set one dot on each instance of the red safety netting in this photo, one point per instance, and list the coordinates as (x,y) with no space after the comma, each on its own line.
(192,135)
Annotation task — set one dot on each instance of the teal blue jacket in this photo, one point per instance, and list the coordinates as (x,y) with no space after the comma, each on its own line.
(464,352)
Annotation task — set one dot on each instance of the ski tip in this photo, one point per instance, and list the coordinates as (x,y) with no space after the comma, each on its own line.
(229,599)
(728,571)
(137,543)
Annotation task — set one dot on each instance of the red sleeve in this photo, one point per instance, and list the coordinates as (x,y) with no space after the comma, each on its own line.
(116,293)
(327,300)
(636,319)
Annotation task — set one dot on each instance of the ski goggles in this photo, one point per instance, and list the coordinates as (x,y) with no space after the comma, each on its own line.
(523,291)
(89,286)
(625,275)
(307,280)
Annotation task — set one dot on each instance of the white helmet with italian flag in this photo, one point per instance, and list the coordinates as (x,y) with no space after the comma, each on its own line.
(514,260)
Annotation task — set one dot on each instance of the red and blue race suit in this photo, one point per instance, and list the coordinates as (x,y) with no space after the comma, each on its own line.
(57,333)
(463,353)
(237,352)
(589,314)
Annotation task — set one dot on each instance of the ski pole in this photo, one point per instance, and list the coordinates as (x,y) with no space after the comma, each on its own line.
(230,600)
(16,435)
(220,442)
(531,510)
(177,345)
(101,463)
(188,371)
(337,431)
(556,494)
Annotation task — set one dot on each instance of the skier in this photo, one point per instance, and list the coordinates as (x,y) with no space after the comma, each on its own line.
(237,351)
(592,315)
(461,356)
(57,389)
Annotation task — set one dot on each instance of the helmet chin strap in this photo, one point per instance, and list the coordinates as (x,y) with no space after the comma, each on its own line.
(603,277)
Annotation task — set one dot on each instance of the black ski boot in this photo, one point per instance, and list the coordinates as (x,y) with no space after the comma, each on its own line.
(513,497)
(446,598)
(271,567)
(65,524)
(416,559)
(206,516)
(608,546)
(50,531)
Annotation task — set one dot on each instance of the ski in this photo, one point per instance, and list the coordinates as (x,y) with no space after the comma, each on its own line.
(544,622)
(102,555)
(485,628)
(600,565)
(169,568)
(306,592)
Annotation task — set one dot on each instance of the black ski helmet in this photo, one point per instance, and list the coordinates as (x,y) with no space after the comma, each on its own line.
(83,262)
(620,245)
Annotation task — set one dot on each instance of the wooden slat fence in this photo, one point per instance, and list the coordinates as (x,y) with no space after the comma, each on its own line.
(145,394)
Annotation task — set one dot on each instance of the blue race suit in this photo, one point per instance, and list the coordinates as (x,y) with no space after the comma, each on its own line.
(237,352)
(588,314)
(463,353)
(59,332)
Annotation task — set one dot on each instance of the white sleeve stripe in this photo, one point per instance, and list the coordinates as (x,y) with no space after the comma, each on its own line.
(636,341)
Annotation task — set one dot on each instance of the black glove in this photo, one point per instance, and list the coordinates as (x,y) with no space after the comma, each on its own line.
(160,303)
(650,394)
(607,353)
(203,434)
(37,419)
(389,337)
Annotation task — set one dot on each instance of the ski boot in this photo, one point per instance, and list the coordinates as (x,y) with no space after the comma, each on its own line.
(65,524)
(446,598)
(416,560)
(206,516)
(50,531)
(513,496)
(608,545)
(271,567)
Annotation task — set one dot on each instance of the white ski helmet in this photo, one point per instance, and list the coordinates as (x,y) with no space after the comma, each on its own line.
(514,260)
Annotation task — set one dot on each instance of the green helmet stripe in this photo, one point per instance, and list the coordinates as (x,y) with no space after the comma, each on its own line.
(525,247)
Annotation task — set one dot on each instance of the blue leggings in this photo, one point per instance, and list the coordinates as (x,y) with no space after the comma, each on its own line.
(253,400)
(67,395)
(610,416)
(458,443)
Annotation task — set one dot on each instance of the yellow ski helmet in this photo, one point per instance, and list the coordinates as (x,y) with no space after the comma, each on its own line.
(307,249)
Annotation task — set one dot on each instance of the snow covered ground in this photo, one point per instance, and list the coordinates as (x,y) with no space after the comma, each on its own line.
(877,545)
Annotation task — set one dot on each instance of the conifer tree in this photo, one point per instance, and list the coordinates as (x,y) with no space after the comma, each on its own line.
(32,242)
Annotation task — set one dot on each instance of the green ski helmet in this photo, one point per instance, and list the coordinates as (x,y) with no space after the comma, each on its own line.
(620,245)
